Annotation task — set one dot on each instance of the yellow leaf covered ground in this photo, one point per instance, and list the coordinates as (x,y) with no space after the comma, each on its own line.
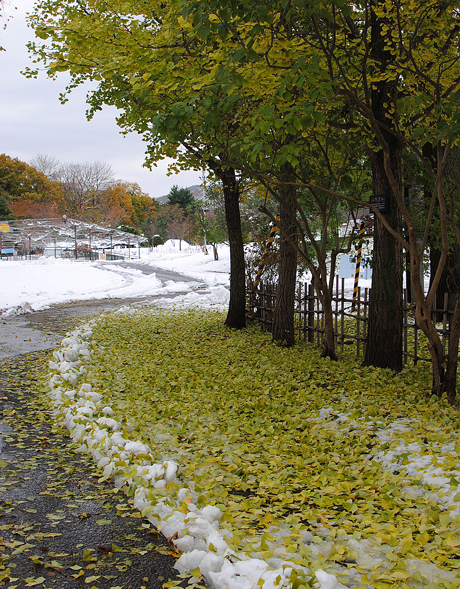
(307,462)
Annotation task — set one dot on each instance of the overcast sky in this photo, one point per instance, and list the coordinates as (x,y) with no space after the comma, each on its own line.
(33,121)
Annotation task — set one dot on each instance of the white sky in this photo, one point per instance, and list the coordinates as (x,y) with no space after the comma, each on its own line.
(33,121)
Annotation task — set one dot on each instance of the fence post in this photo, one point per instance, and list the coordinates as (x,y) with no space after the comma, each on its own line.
(358,267)
(445,321)
(311,313)
(357,307)
(366,306)
(406,300)
(342,317)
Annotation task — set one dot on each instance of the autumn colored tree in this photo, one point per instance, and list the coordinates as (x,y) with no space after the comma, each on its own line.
(114,206)
(214,82)
(30,209)
(404,94)
(153,92)
(392,70)
(29,192)
(144,208)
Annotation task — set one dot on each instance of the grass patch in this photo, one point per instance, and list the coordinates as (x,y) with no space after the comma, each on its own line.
(288,445)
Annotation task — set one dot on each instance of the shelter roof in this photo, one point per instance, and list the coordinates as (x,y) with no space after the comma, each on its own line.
(64,231)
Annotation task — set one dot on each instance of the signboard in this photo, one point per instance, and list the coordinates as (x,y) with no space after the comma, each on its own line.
(380,202)
(4,227)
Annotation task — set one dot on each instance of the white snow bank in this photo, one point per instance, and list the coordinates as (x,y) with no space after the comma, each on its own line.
(36,284)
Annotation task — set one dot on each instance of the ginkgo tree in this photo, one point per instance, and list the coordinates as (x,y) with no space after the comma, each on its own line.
(393,69)
(190,104)
(390,69)
(285,145)
(136,53)
(396,65)
(276,44)
(178,104)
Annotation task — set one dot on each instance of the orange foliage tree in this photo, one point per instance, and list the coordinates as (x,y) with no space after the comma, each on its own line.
(28,193)
(30,209)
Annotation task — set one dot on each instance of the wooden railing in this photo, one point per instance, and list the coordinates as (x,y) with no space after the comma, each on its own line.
(350,326)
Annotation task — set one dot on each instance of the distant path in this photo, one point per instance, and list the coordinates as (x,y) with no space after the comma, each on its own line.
(39,330)
(161,273)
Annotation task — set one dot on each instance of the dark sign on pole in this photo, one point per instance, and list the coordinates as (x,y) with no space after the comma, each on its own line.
(380,202)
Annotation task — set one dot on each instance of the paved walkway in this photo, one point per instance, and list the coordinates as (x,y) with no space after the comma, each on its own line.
(60,527)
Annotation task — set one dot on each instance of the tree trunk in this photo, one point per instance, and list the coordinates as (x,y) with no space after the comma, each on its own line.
(236,316)
(329,344)
(283,315)
(450,380)
(384,344)
(450,279)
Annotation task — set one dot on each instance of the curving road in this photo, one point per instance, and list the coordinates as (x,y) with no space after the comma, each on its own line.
(161,273)
(78,533)
(37,330)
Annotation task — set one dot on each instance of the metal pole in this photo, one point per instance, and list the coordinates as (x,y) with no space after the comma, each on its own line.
(76,244)
(129,247)
(30,248)
(55,253)
(358,266)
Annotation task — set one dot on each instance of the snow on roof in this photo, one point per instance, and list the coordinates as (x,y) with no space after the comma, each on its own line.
(66,231)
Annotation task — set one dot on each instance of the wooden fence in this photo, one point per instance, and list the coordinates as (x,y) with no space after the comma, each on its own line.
(350,326)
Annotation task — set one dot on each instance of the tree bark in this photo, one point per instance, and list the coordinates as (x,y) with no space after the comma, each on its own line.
(329,340)
(450,279)
(450,380)
(236,315)
(384,344)
(283,315)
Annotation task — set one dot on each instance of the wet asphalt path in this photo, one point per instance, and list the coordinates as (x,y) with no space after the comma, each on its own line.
(60,527)
(161,273)
(29,333)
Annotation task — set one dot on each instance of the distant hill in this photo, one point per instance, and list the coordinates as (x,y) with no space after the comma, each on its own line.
(196,190)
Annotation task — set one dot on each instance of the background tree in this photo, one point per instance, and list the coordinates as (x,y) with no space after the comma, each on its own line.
(182,197)
(26,190)
(5,211)
(82,185)
(144,208)
(114,206)
(46,164)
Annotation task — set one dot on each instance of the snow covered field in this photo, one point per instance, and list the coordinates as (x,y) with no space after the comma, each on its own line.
(37,284)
